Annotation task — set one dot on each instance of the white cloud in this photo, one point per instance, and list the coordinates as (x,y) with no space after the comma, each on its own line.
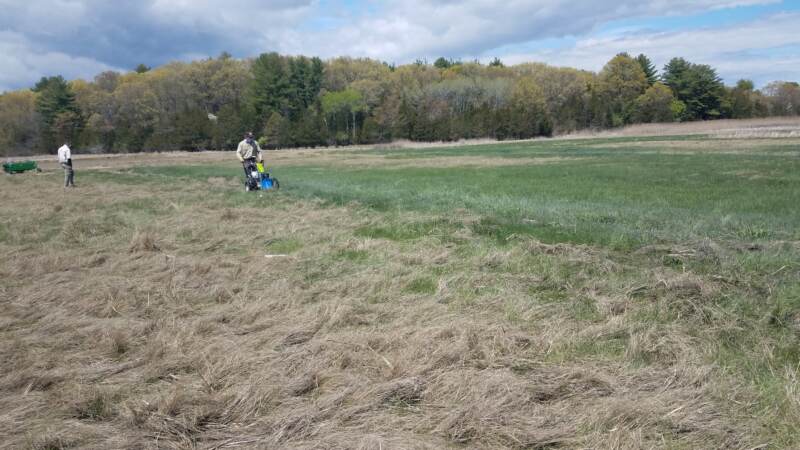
(77,37)
(740,51)
(43,18)
(409,29)
(240,19)
(24,62)
(58,36)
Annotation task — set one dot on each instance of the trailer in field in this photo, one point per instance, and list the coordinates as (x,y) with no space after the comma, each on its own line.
(20,166)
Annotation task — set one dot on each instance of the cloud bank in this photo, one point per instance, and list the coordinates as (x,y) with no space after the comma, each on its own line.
(79,38)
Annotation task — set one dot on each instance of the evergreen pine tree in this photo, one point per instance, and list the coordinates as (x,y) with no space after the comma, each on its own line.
(59,113)
(648,68)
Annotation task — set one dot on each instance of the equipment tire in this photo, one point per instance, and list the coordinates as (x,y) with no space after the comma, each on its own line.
(276,184)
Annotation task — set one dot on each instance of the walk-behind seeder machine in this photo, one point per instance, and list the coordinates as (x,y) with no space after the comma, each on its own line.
(258,179)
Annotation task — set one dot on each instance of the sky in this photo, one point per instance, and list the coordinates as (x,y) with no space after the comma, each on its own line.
(754,39)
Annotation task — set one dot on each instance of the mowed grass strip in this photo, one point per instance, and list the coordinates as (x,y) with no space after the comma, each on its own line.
(621,198)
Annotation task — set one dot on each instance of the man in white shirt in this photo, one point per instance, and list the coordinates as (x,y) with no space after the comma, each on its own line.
(249,153)
(248,149)
(65,159)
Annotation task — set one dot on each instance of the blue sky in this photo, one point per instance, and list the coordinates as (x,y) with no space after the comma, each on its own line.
(754,39)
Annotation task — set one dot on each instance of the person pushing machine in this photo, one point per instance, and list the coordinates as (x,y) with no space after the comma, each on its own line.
(249,151)
(256,177)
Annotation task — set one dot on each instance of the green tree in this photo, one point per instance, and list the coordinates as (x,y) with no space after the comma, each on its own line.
(136,114)
(655,105)
(339,73)
(276,132)
(674,74)
(314,80)
(142,68)
(678,109)
(496,63)
(622,81)
(572,96)
(269,89)
(95,101)
(56,100)
(528,113)
(19,123)
(344,105)
(192,130)
(289,86)
(307,130)
(304,83)
(745,85)
(697,86)
(214,83)
(233,120)
(107,81)
(784,98)
(67,125)
(648,68)
(306,101)
(741,100)
(443,63)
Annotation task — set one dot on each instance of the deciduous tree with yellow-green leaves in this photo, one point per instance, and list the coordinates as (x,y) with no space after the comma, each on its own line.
(300,101)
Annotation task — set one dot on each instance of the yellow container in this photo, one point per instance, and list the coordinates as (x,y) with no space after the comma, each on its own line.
(260,167)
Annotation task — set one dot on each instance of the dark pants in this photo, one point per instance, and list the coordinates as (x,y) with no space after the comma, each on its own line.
(249,165)
(69,174)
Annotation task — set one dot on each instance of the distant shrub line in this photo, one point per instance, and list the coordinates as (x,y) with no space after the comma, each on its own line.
(295,101)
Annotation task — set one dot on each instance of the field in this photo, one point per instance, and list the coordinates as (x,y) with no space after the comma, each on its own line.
(613,292)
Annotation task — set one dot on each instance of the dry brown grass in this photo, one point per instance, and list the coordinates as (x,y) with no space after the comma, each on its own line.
(776,147)
(743,134)
(783,127)
(288,158)
(170,329)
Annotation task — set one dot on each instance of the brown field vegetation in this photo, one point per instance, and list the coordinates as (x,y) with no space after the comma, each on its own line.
(169,316)
(178,332)
(770,127)
(753,132)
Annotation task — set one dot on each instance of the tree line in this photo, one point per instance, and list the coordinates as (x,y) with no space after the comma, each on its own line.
(296,101)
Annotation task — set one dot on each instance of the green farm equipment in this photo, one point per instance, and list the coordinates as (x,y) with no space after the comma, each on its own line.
(20,166)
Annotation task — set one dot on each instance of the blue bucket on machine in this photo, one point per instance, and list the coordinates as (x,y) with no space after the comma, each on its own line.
(266,182)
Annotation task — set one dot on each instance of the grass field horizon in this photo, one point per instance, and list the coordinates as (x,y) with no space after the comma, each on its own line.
(611,292)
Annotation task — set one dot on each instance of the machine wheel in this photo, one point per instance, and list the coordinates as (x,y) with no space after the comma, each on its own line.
(275,183)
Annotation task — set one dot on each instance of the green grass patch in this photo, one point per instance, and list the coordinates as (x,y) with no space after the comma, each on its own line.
(352,255)
(610,194)
(584,309)
(130,177)
(422,286)
(285,246)
(610,347)
(406,231)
